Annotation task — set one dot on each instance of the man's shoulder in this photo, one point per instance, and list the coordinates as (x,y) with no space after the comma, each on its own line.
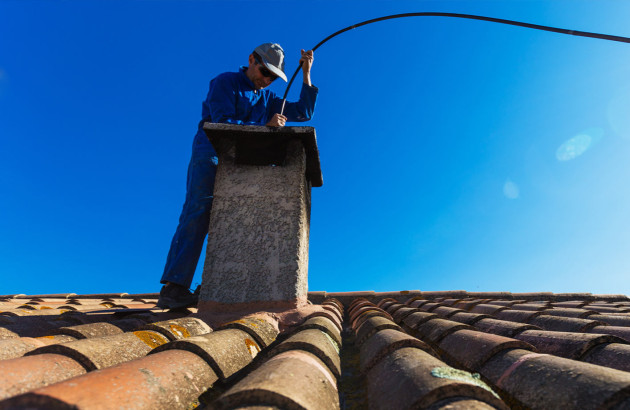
(227,76)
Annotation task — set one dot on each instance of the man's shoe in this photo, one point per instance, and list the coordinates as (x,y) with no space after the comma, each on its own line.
(174,296)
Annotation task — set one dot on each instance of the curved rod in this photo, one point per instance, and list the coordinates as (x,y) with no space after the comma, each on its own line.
(457,15)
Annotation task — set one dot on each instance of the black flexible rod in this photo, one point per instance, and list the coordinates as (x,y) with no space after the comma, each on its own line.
(463,16)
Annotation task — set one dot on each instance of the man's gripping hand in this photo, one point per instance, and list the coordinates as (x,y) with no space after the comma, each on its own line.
(307,62)
(278,120)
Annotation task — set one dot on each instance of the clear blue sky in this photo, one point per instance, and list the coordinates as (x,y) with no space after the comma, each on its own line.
(456,154)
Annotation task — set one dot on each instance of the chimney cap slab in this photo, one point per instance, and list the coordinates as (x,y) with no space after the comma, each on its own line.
(261,145)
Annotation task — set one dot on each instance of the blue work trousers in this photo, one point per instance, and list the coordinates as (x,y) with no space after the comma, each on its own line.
(195,217)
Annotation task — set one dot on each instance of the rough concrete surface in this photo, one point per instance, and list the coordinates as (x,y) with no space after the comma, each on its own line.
(259,227)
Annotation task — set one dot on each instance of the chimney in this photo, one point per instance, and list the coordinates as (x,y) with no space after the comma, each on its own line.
(257,253)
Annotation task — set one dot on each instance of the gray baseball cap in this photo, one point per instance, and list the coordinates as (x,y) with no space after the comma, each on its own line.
(272,56)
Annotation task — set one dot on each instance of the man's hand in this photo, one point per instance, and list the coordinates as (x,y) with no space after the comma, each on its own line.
(307,62)
(278,120)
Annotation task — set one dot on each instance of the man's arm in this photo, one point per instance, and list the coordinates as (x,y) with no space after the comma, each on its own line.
(303,109)
(307,63)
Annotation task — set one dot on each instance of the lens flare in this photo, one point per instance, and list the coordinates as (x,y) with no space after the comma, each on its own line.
(510,190)
(578,145)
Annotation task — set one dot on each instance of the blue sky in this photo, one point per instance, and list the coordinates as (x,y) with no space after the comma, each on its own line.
(456,154)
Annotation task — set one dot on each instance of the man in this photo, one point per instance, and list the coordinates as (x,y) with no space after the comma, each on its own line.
(233,98)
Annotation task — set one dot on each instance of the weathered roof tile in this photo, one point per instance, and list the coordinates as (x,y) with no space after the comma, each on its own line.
(468,318)
(168,380)
(384,342)
(480,347)
(371,326)
(179,328)
(412,378)
(525,381)
(580,327)
(317,343)
(323,324)
(563,324)
(614,355)
(23,374)
(502,327)
(101,352)
(565,344)
(300,381)
(226,351)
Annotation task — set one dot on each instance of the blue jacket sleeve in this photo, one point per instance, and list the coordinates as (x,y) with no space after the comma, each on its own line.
(302,110)
(220,105)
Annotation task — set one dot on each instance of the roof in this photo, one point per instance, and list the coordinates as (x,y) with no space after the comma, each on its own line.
(395,350)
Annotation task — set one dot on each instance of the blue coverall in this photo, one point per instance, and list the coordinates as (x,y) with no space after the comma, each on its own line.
(232,99)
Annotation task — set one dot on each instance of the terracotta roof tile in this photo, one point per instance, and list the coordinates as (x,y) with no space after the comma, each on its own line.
(608,309)
(179,328)
(466,304)
(226,351)
(480,347)
(323,324)
(355,313)
(386,302)
(563,324)
(523,316)
(615,355)
(363,303)
(360,318)
(570,312)
(334,310)
(317,343)
(434,330)
(446,311)
(317,297)
(450,294)
(27,373)
(541,381)
(392,308)
(402,313)
(411,322)
(468,318)
(429,307)
(7,334)
(570,304)
(168,380)
(530,306)
(383,343)
(458,403)
(502,327)
(412,378)
(396,326)
(487,309)
(619,331)
(90,330)
(335,302)
(101,352)
(565,344)
(507,303)
(449,302)
(12,348)
(371,326)
(416,303)
(300,380)
(330,317)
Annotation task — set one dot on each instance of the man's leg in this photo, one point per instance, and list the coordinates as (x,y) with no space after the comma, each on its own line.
(191,232)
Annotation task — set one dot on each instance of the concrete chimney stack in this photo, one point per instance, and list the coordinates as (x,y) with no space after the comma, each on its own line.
(257,253)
